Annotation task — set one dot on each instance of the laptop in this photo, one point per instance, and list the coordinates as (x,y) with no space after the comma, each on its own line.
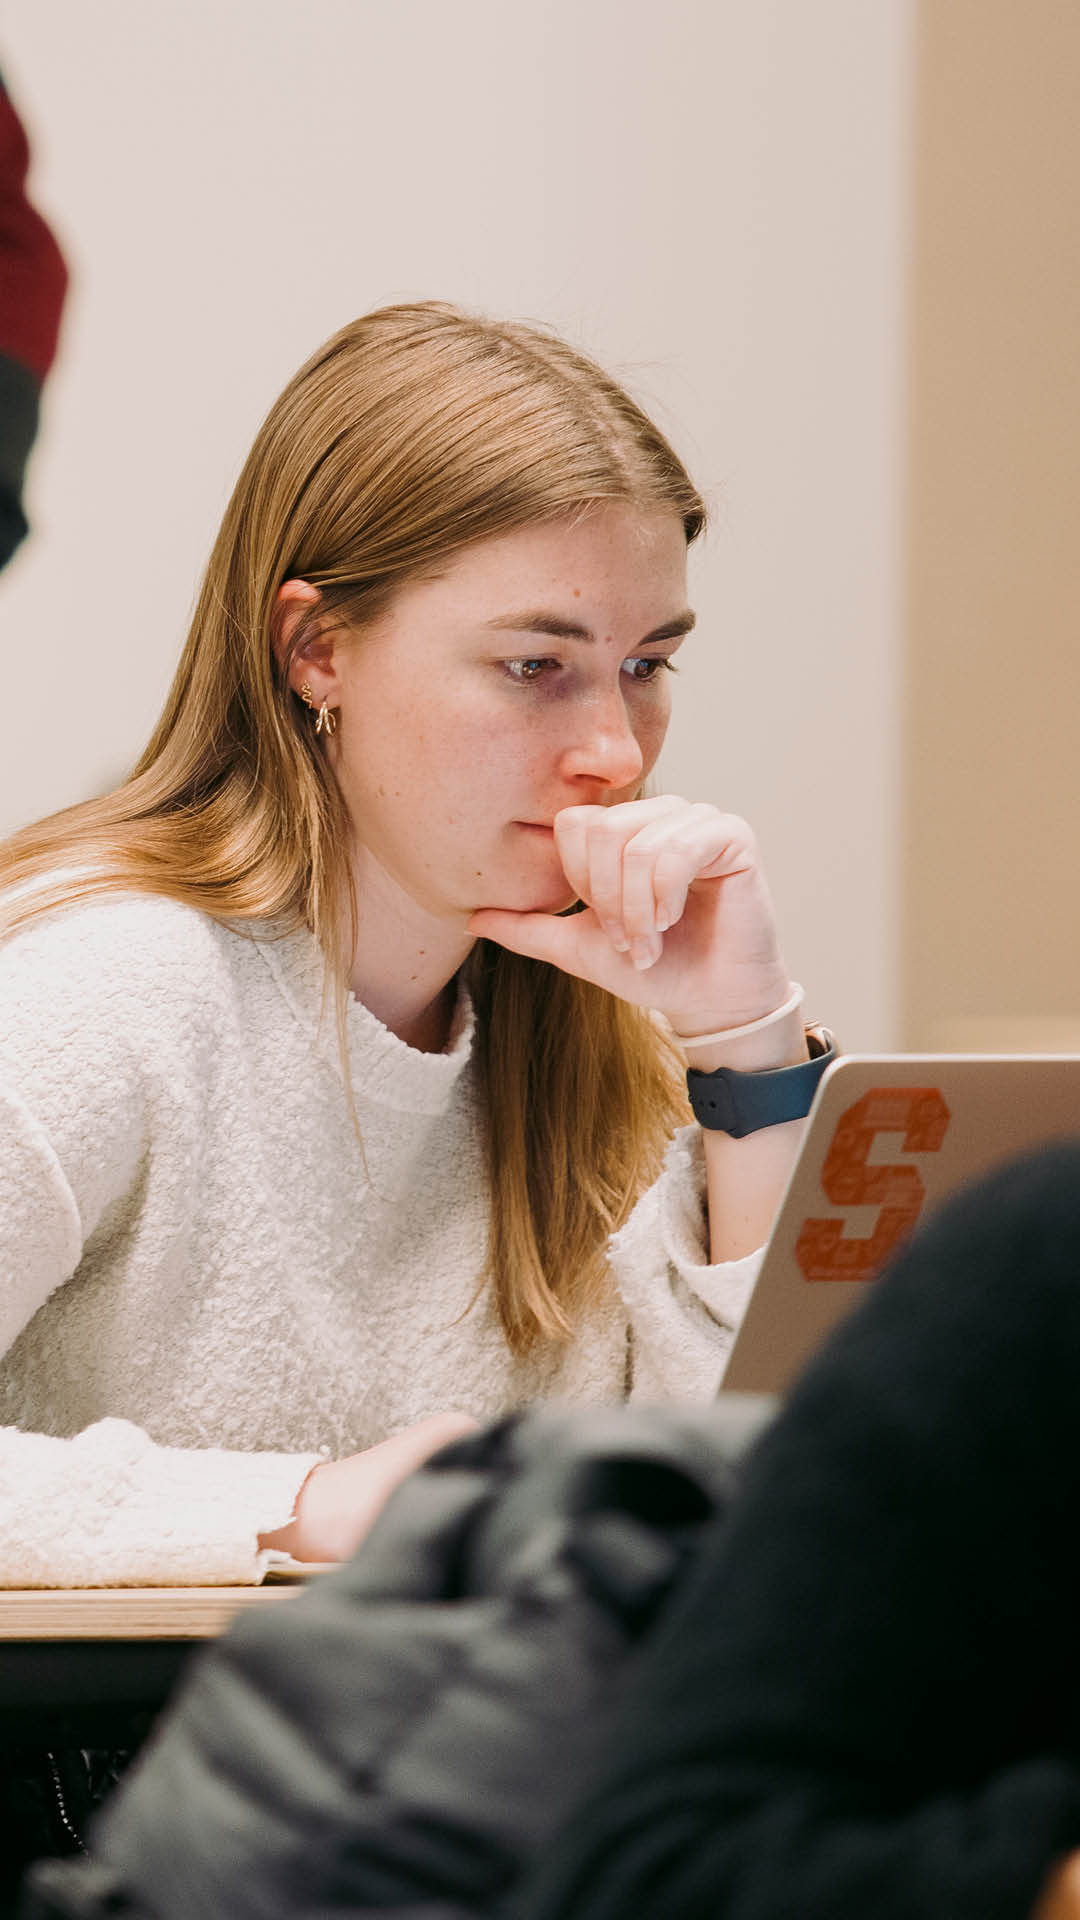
(889,1137)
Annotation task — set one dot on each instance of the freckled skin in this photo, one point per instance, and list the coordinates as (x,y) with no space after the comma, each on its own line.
(458,741)
(429,716)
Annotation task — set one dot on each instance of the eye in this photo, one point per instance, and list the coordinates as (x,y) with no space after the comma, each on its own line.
(524,671)
(652,663)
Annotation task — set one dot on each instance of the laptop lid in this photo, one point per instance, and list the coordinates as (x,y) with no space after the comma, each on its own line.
(889,1136)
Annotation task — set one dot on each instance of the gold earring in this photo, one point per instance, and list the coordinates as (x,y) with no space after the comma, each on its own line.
(327,721)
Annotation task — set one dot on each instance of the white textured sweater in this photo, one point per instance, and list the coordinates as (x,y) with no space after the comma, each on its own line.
(205,1289)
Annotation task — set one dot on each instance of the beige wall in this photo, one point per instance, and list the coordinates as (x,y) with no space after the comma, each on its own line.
(711,194)
(991,903)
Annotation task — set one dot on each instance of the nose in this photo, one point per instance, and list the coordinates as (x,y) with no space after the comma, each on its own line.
(604,746)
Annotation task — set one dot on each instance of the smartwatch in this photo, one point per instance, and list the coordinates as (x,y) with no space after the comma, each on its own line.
(727,1101)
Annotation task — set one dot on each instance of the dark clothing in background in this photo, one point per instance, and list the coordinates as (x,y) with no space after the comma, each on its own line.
(33,281)
(858,1694)
(866,1701)
(405,1734)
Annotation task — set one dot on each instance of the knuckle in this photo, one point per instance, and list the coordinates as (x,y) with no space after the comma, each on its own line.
(605,828)
(638,855)
(672,859)
(737,828)
(605,898)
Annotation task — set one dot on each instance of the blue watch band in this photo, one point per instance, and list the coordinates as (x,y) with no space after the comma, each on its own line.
(727,1101)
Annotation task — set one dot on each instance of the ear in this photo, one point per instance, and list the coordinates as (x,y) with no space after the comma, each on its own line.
(313,662)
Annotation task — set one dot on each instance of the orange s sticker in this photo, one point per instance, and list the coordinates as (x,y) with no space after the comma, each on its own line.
(824,1251)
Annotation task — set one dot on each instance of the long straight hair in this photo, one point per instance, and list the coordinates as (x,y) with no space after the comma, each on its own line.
(412,433)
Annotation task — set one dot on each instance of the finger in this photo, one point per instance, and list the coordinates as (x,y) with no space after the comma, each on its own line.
(639,897)
(572,824)
(579,832)
(539,936)
(643,913)
(702,844)
(676,851)
(604,841)
(636,814)
(595,838)
(571,828)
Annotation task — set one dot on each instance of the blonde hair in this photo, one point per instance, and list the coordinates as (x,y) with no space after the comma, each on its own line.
(413,432)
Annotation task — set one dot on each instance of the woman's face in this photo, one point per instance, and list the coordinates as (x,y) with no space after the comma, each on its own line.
(529,676)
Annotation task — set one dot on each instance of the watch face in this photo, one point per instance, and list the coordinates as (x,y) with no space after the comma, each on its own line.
(819,1040)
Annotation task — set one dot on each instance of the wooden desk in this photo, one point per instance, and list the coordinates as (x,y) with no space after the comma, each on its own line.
(78,1666)
(128,1613)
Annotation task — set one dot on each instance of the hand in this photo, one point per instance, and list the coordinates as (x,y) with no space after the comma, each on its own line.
(339,1501)
(1060,1898)
(678,916)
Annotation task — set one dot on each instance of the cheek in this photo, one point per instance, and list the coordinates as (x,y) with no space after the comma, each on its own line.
(650,731)
(410,737)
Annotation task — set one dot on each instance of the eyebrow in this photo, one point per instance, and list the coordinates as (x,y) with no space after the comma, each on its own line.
(559,628)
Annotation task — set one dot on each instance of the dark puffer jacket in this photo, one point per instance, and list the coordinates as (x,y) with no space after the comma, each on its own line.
(404,1736)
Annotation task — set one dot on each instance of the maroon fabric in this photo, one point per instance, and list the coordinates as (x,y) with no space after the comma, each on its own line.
(33,277)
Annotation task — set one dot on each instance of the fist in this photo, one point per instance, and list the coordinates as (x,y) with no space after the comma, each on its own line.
(678,915)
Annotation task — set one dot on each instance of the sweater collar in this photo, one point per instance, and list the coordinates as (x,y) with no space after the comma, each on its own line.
(384,1069)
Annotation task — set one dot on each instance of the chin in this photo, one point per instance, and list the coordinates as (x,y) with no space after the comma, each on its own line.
(532,899)
(536,897)
(562,905)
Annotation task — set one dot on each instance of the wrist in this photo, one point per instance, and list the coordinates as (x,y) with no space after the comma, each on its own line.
(782,1045)
(773,1039)
(293,1537)
(738,1100)
(335,1507)
(333,1511)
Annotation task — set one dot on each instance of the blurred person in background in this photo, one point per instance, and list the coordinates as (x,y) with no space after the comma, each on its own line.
(33,282)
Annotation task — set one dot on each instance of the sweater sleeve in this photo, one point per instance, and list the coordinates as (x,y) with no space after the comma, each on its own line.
(684,1313)
(867,1698)
(108,1507)
(75,1125)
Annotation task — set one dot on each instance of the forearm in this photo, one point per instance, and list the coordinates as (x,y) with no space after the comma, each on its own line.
(745,1178)
(340,1499)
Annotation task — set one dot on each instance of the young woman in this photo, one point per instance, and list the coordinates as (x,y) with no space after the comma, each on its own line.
(327,1125)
